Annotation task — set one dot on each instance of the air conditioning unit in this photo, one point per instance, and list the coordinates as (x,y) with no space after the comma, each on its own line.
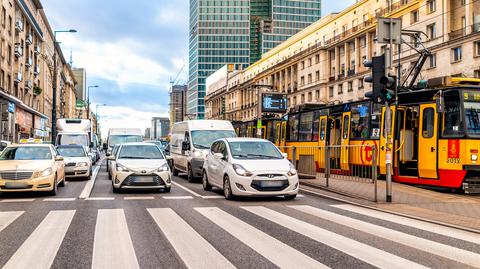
(18,77)
(19,25)
(36,70)
(29,62)
(37,50)
(29,39)
(18,50)
(28,85)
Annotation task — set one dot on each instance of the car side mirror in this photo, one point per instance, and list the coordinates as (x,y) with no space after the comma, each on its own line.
(105,147)
(59,159)
(285,155)
(185,145)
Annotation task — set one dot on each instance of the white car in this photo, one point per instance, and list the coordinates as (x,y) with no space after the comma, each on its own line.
(248,167)
(140,166)
(77,161)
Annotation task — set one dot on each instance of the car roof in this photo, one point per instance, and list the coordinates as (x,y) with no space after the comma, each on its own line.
(245,139)
(31,145)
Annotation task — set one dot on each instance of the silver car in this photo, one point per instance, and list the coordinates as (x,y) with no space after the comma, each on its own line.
(78,163)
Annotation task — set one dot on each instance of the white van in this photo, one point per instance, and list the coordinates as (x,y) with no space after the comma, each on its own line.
(190,142)
(121,136)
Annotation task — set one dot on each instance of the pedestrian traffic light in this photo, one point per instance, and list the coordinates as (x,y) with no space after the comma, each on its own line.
(377,64)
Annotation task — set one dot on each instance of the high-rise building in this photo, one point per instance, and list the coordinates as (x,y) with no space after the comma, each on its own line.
(238,32)
(81,77)
(160,128)
(178,106)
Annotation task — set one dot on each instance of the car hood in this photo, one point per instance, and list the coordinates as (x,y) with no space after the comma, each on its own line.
(76,159)
(27,165)
(141,164)
(256,166)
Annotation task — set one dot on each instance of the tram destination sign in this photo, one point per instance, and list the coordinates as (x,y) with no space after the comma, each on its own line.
(274,102)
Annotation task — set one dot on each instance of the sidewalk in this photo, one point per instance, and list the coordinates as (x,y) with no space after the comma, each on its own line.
(456,209)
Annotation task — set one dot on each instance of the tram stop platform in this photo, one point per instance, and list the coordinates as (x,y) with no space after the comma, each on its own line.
(455,209)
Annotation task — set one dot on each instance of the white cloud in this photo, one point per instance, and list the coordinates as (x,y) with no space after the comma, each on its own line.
(168,15)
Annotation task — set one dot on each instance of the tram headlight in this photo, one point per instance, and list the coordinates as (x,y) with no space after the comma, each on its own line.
(474,157)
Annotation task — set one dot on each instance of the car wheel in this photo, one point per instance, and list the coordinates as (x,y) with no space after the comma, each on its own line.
(62,183)
(190,177)
(290,197)
(114,189)
(54,191)
(175,171)
(206,185)
(227,189)
(167,189)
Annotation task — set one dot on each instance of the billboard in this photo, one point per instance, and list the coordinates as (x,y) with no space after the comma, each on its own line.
(274,102)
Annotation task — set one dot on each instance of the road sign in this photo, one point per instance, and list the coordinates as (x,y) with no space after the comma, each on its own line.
(274,102)
(80,104)
(389,30)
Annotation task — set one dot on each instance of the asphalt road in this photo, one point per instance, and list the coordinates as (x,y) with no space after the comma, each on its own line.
(191,228)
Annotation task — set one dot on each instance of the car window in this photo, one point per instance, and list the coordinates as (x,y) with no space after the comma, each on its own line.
(140,152)
(72,152)
(214,147)
(254,150)
(26,153)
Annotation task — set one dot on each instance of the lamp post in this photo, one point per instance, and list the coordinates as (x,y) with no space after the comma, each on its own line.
(54,94)
(96,115)
(88,99)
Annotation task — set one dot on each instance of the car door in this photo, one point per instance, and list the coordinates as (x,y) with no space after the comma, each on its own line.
(113,163)
(222,163)
(211,163)
(59,165)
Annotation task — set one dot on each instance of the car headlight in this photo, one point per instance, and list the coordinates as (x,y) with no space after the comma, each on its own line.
(292,170)
(241,171)
(163,168)
(121,168)
(82,164)
(45,173)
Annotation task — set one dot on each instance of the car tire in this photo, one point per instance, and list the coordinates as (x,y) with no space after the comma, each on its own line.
(190,176)
(227,189)
(206,185)
(167,189)
(54,191)
(175,171)
(62,183)
(114,189)
(290,197)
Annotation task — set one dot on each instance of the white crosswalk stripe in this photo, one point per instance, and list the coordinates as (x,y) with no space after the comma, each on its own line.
(192,248)
(6,218)
(40,248)
(449,252)
(274,250)
(366,253)
(112,246)
(422,225)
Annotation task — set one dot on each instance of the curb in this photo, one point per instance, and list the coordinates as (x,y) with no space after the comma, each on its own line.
(467,229)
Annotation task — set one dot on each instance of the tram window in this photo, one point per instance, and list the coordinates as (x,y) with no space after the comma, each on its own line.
(360,117)
(428,122)
(346,122)
(452,117)
(292,134)
(375,121)
(472,115)
(305,130)
(316,119)
(322,129)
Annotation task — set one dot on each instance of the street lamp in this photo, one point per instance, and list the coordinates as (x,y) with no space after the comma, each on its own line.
(88,99)
(54,95)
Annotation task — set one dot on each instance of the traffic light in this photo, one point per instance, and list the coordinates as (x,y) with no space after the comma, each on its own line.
(377,64)
(389,85)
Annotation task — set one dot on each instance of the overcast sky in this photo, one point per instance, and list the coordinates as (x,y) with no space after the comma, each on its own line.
(131,49)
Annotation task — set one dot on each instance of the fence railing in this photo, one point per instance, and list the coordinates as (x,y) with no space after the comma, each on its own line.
(349,169)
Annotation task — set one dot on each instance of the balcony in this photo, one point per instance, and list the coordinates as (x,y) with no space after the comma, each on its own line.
(29,62)
(18,77)
(457,33)
(351,72)
(36,70)
(331,78)
(37,49)
(19,25)
(18,51)
(29,39)
(28,85)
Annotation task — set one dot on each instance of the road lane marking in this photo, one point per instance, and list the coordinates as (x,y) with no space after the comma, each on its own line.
(41,247)
(17,200)
(186,189)
(192,248)
(426,226)
(59,199)
(6,218)
(100,199)
(177,197)
(366,253)
(138,198)
(442,250)
(274,250)
(87,190)
(112,245)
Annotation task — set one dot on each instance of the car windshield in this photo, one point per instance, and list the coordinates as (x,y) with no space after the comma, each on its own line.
(26,153)
(140,152)
(471,105)
(73,139)
(203,139)
(121,139)
(254,150)
(71,152)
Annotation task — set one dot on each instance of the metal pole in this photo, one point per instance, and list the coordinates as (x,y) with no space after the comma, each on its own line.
(88,102)
(294,156)
(54,94)
(259,113)
(327,165)
(374,172)
(388,128)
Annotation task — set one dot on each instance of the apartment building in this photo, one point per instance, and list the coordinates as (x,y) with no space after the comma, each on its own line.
(323,64)
(26,72)
(178,103)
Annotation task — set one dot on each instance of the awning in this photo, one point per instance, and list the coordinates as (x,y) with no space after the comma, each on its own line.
(21,105)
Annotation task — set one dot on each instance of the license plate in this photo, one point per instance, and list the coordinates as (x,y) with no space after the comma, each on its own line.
(144,179)
(271,183)
(16,185)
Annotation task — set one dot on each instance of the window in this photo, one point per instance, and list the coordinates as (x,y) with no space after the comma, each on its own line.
(452,117)
(346,125)
(360,83)
(414,16)
(428,122)
(375,121)
(292,134)
(476,73)
(432,31)
(350,86)
(309,78)
(309,62)
(302,80)
(432,61)
(302,65)
(340,89)
(310,97)
(360,121)
(317,59)
(431,6)
(305,130)
(317,95)
(476,47)
(317,75)
(330,91)
(456,54)
(316,119)
(322,129)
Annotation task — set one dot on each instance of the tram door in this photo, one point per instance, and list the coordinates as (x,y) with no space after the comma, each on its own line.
(383,141)
(345,141)
(322,139)
(427,136)
(335,139)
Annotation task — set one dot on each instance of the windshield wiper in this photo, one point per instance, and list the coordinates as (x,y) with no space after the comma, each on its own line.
(262,156)
(200,146)
(240,155)
(131,157)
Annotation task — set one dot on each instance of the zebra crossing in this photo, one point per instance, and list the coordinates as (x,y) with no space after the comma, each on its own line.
(113,244)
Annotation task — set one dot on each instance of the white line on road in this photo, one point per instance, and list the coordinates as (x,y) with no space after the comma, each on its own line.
(87,190)
(17,200)
(192,248)
(177,197)
(100,199)
(6,218)
(112,245)
(366,253)
(274,250)
(442,250)
(59,199)
(139,198)
(41,247)
(186,189)
(430,227)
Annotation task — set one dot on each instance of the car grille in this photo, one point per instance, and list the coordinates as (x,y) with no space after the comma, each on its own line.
(70,164)
(271,176)
(143,180)
(259,186)
(15,175)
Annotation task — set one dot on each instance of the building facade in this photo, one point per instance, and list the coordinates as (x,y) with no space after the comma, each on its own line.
(178,103)
(160,128)
(238,32)
(26,72)
(323,64)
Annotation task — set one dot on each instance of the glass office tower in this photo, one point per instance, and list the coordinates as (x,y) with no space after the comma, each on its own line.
(238,32)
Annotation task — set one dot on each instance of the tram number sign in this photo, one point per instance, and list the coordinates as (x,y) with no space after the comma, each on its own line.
(274,103)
